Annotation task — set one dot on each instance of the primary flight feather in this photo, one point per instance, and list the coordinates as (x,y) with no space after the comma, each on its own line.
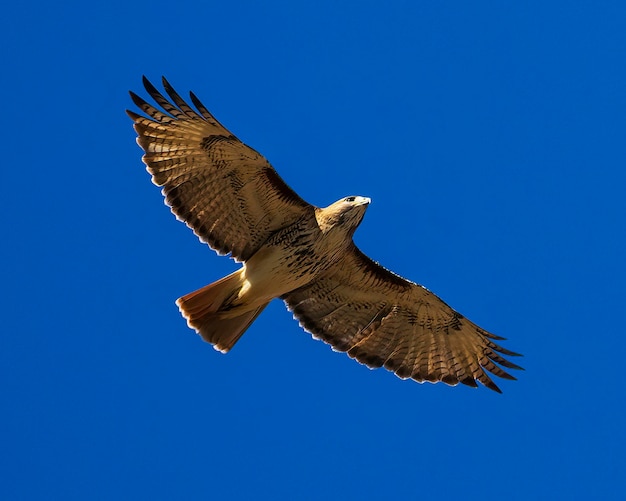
(233,199)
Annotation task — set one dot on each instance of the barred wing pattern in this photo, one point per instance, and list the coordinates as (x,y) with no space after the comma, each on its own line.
(381,319)
(226,192)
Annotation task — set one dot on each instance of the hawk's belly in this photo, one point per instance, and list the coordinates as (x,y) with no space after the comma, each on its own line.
(290,259)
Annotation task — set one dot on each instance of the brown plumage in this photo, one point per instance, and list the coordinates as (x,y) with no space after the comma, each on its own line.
(233,200)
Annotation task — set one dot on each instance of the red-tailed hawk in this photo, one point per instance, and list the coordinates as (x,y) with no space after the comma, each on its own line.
(233,200)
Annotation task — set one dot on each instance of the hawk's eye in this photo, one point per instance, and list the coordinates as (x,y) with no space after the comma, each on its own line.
(350,199)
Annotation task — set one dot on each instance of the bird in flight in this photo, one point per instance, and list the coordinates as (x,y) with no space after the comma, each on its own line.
(233,200)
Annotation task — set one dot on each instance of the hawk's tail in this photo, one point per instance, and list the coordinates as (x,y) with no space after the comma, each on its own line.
(205,312)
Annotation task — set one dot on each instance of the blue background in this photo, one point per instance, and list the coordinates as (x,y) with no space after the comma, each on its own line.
(491,139)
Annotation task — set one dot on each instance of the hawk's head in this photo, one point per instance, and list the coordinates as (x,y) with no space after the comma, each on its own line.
(345,214)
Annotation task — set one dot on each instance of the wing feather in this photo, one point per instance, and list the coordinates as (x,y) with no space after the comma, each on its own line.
(381,319)
(225,191)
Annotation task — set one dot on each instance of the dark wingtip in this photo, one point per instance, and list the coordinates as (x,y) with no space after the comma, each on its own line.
(139,101)
(503,351)
(510,365)
(491,385)
(506,375)
(469,381)
(134,116)
(152,90)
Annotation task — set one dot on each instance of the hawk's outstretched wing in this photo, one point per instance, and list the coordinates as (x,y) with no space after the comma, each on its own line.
(225,191)
(381,319)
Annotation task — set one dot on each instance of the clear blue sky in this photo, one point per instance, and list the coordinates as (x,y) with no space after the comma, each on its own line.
(491,137)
